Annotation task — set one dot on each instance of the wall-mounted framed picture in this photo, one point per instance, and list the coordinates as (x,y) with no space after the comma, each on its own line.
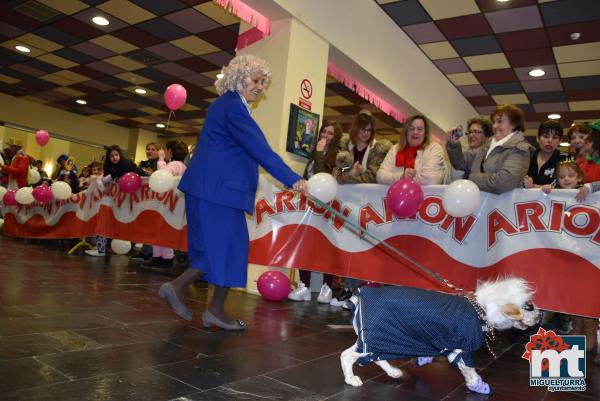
(303,127)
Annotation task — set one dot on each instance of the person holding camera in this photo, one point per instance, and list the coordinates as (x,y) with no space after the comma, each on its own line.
(501,164)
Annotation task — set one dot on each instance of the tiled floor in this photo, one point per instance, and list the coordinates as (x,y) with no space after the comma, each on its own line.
(82,328)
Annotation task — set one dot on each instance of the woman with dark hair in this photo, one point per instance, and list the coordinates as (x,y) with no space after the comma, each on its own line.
(545,160)
(501,164)
(323,157)
(322,161)
(115,166)
(362,151)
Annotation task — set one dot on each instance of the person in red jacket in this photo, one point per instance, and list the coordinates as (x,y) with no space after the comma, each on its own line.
(18,170)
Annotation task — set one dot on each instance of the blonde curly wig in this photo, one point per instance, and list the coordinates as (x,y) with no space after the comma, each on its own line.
(238,73)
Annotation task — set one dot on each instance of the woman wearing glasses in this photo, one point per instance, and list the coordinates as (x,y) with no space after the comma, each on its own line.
(501,164)
(364,154)
(479,131)
(416,156)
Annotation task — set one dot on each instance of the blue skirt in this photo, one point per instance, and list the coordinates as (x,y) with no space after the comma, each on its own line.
(218,242)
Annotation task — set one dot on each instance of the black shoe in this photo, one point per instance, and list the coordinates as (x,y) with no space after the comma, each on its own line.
(153,262)
(140,257)
(345,295)
(165,263)
(341,299)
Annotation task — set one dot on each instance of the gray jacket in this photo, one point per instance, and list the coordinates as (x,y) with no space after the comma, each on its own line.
(502,171)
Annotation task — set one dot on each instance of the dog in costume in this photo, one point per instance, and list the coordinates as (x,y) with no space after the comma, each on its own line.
(403,322)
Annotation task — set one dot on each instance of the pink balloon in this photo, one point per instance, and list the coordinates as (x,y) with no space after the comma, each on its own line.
(130,182)
(273,285)
(42,137)
(405,197)
(175,96)
(42,193)
(9,198)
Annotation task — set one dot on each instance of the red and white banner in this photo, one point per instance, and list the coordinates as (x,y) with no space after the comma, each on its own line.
(144,216)
(548,239)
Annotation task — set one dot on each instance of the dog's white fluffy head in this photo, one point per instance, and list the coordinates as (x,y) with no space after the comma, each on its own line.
(507,303)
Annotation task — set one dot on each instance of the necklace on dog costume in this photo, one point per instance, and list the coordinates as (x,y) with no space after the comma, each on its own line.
(490,333)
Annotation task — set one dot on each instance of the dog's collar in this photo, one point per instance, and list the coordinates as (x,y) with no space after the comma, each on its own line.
(486,327)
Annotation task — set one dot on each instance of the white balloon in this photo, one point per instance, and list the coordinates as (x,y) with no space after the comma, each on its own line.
(461,198)
(61,190)
(177,192)
(161,181)
(2,192)
(120,247)
(24,196)
(33,177)
(323,186)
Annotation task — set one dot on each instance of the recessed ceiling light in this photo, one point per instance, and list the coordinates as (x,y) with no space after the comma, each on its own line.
(80,101)
(537,72)
(219,76)
(159,125)
(141,91)
(575,35)
(554,116)
(565,144)
(502,1)
(98,20)
(22,48)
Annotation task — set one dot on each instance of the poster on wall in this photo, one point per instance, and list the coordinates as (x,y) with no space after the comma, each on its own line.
(302,131)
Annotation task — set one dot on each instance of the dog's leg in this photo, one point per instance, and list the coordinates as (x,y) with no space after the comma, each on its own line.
(473,381)
(348,358)
(389,369)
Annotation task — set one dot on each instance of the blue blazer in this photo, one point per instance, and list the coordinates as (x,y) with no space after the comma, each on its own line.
(224,169)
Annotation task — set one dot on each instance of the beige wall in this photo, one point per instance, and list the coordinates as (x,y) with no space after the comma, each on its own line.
(38,116)
(293,53)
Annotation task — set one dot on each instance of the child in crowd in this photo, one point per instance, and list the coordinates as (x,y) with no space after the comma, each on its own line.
(97,170)
(175,152)
(85,178)
(568,175)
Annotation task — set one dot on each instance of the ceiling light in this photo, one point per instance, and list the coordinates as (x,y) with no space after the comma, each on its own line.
(502,1)
(220,75)
(159,125)
(537,72)
(554,116)
(81,101)
(22,48)
(565,144)
(98,20)
(141,91)
(575,35)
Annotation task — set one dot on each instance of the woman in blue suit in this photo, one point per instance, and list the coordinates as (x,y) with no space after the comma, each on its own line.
(220,185)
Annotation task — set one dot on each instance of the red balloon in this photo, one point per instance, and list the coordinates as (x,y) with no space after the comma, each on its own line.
(9,198)
(405,197)
(130,182)
(42,193)
(175,96)
(42,137)
(273,285)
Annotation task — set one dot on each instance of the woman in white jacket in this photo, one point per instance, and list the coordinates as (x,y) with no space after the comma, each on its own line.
(416,156)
